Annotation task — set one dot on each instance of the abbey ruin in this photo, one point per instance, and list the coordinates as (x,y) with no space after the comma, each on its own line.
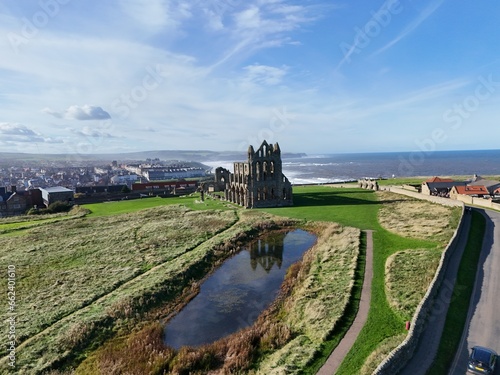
(258,182)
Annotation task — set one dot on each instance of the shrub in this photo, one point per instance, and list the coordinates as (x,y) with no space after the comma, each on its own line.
(54,208)
(59,207)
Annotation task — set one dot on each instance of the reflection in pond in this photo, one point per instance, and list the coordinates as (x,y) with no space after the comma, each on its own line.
(267,252)
(234,296)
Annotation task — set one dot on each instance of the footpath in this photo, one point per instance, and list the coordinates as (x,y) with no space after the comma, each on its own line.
(333,362)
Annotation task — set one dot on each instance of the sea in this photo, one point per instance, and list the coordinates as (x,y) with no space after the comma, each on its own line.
(336,168)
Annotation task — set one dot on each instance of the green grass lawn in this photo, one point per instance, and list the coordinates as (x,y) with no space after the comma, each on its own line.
(351,207)
(383,322)
(347,206)
(120,207)
(358,208)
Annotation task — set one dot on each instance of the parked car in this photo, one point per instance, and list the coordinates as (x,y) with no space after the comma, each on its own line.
(482,360)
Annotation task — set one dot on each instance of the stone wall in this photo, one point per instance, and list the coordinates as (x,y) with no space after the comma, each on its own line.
(400,356)
(481,202)
(430,198)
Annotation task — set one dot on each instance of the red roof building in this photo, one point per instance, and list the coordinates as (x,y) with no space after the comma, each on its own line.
(439,186)
(471,191)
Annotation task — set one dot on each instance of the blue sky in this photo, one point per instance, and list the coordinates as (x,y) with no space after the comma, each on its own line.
(316,76)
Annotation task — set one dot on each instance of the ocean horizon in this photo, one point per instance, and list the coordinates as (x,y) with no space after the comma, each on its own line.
(331,168)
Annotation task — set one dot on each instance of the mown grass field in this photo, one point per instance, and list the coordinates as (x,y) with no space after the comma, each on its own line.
(82,280)
(366,209)
(133,205)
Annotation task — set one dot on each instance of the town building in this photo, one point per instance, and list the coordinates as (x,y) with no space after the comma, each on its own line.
(166,187)
(171,173)
(440,186)
(15,203)
(57,194)
(491,185)
(479,191)
(126,179)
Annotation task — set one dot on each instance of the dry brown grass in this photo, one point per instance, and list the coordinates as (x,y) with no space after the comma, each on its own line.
(79,281)
(408,276)
(144,353)
(322,291)
(65,266)
(414,218)
(321,281)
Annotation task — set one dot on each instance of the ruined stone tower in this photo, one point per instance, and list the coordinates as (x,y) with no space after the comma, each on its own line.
(258,182)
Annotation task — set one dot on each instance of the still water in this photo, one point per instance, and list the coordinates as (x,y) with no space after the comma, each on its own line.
(233,297)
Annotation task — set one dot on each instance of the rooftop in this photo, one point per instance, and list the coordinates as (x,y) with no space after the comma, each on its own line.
(439,179)
(57,189)
(471,190)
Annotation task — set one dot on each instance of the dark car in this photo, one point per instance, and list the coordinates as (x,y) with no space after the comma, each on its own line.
(482,360)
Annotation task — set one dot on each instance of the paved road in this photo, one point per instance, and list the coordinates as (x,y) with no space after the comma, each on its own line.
(429,340)
(483,325)
(338,354)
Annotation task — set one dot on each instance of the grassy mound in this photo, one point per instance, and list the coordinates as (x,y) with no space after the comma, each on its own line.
(408,276)
(413,218)
(382,351)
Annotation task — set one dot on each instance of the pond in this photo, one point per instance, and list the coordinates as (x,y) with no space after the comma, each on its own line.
(234,296)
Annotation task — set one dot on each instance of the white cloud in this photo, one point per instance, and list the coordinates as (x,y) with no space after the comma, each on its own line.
(18,133)
(155,15)
(86,112)
(264,74)
(248,19)
(87,131)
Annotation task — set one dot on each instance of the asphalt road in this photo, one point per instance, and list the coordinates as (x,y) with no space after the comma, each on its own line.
(431,335)
(483,323)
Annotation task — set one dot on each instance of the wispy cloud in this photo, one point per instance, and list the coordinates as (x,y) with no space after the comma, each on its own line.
(412,26)
(423,97)
(263,74)
(263,24)
(360,42)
